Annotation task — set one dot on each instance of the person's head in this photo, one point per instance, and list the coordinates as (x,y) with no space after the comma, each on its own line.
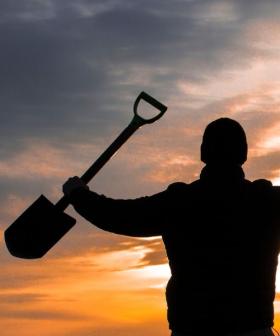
(224,141)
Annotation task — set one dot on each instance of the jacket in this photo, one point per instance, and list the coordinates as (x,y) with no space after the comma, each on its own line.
(222,240)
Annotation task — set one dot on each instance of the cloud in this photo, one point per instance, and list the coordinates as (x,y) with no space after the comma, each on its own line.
(70,76)
(147,327)
(77,71)
(155,256)
(21,298)
(72,70)
(30,314)
(26,10)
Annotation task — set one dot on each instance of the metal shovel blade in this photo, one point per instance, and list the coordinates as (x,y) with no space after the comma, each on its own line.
(37,230)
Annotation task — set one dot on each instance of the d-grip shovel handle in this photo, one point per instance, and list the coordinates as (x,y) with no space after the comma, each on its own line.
(155,103)
(136,122)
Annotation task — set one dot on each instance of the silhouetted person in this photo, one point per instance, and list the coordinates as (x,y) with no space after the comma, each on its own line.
(221,235)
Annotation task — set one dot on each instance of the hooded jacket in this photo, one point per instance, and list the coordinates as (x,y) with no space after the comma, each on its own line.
(222,240)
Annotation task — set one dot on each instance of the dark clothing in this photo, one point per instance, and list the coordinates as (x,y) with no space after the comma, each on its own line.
(221,235)
(259,332)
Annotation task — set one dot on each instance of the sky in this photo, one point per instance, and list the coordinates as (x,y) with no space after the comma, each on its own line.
(70,72)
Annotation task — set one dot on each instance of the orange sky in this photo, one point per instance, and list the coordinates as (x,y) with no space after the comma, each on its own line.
(212,60)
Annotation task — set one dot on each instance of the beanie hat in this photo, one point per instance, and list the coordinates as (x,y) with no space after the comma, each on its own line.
(224,140)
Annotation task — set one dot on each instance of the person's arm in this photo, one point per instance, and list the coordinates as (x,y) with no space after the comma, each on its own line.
(141,217)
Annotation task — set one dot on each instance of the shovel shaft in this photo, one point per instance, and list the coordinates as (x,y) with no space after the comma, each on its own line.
(136,122)
(111,150)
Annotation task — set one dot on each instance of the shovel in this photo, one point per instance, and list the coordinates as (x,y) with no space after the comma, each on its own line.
(43,224)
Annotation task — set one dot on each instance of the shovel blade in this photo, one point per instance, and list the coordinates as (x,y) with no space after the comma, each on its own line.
(37,230)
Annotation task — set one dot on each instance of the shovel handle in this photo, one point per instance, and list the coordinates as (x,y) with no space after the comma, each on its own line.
(136,123)
(155,103)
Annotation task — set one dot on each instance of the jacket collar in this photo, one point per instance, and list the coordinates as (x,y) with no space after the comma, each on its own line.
(222,172)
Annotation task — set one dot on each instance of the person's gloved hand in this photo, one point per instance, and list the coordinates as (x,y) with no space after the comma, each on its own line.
(72,185)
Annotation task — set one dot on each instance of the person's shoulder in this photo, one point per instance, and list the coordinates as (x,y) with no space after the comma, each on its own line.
(262,184)
(268,192)
(264,187)
(183,187)
(259,187)
(178,186)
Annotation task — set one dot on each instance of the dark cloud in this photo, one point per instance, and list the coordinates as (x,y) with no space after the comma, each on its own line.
(81,64)
(156,256)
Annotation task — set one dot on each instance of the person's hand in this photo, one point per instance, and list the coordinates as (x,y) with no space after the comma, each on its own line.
(73,184)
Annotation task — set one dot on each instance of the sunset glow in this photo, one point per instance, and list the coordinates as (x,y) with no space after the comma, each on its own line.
(71,70)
